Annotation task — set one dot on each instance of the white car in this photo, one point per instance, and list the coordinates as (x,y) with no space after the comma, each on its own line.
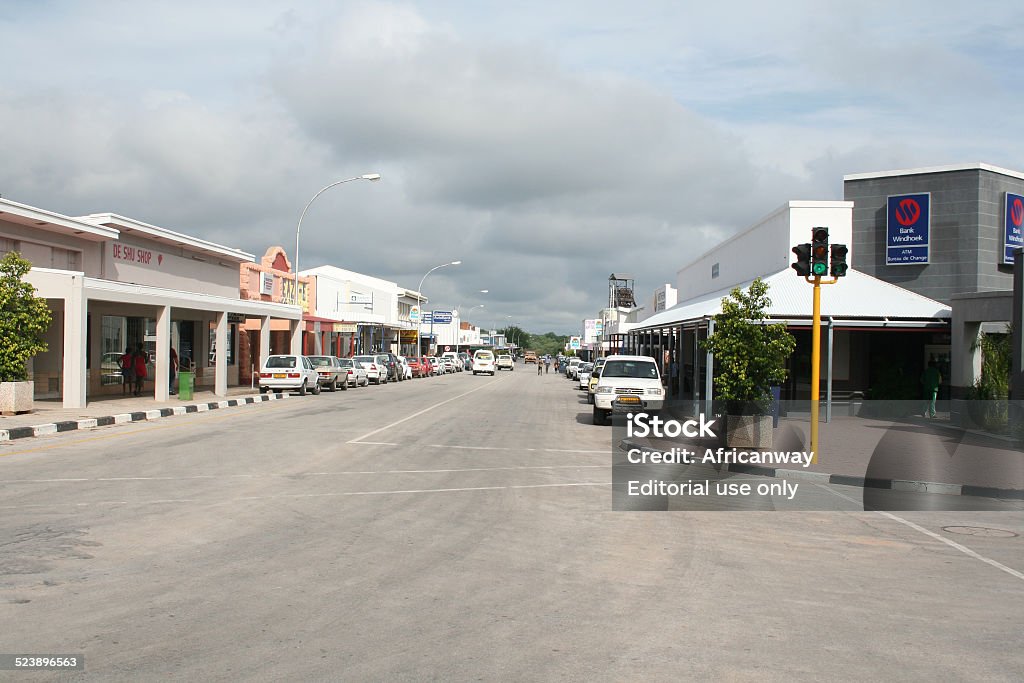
(448,363)
(505,362)
(583,371)
(406,370)
(375,372)
(572,369)
(289,373)
(483,361)
(456,362)
(356,373)
(628,383)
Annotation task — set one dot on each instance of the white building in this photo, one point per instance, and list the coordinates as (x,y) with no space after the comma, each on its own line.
(113,282)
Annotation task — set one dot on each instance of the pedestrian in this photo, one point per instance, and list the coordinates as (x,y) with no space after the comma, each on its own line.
(931,378)
(127,363)
(174,371)
(547,364)
(140,369)
(540,367)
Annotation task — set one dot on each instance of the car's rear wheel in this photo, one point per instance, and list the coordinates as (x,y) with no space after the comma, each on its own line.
(333,385)
(263,390)
(344,385)
(316,389)
(302,389)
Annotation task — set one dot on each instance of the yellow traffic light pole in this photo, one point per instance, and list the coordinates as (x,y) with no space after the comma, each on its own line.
(816,359)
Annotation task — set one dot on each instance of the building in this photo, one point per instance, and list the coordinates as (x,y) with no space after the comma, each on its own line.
(873,330)
(114,282)
(964,221)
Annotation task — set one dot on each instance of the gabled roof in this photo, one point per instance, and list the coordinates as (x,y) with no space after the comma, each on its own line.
(856,297)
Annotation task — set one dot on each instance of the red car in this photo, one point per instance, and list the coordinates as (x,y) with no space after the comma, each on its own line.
(430,364)
(417,367)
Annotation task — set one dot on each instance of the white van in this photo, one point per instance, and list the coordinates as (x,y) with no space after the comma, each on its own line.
(628,383)
(483,361)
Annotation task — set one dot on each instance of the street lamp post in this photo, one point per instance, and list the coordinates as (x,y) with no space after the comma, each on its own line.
(298,228)
(419,301)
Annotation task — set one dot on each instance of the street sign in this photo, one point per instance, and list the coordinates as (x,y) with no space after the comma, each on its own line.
(414,314)
(574,343)
(442,317)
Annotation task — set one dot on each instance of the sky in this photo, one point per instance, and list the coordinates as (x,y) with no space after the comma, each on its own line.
(545,145)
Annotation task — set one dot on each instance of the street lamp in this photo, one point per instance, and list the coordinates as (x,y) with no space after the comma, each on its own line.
(419,300)
(298,228)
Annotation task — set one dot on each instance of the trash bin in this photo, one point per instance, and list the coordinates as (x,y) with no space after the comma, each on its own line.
(186,381)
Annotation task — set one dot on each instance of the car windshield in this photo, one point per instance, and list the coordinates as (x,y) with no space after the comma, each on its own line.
(287,362)
(484,355)
(345,362)
(638,369)
(320,361)
(365,359)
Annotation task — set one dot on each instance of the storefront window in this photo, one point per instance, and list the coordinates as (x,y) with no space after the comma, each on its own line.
(232,329)
(112,346)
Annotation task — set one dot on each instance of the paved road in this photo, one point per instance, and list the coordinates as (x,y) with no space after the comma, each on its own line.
(461,528)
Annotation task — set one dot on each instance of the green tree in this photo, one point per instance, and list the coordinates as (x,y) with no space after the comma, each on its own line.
(750,354)
(23,319)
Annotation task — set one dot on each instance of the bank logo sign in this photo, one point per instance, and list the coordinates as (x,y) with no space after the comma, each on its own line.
(908,226)
(1012,223)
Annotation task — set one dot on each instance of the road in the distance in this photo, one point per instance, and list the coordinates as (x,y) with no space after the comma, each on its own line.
(461,528)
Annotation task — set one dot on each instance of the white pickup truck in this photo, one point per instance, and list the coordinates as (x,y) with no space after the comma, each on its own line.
(628,383)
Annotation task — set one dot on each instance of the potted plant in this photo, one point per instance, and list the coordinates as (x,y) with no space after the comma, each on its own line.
(750,358)
(23,320)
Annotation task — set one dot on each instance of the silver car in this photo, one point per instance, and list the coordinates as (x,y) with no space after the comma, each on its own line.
(332,377)
(375,372)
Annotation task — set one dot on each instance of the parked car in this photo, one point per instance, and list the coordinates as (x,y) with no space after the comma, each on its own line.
(483,361)
(436,366)
(416,366)
(583,372)
(404,367)
(595,376)
(332,377)
(375,372)
(456,363)
(393,365)
(467,360)
(428,366)
(628,383)
(355,372)
(289,372)
(448,363)
(504,362)
(571,370)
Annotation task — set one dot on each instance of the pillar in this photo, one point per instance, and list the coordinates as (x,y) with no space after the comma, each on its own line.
(161,388)
(220,373)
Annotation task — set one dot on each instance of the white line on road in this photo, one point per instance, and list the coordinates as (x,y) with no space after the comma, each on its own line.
(279,496)
(952,544)
(425,410)
(292,475)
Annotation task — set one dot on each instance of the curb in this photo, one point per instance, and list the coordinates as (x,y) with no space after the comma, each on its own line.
(866,482)
(138,416)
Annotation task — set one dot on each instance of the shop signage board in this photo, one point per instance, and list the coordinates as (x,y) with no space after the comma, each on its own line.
(414,314)
(1012,224)
(345,328)
(908,227)
(574,343)
(442,317)
(267,284)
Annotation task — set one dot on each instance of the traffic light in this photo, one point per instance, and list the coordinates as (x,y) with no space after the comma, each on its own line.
(838,261)
(803,259)
(819,252)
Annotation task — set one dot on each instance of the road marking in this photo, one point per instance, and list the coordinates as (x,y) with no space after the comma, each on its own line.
(931,534)
(280,496)
(425,410)
(376,443)
(292,475)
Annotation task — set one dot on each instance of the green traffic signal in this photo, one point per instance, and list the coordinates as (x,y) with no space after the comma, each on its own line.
(819,251)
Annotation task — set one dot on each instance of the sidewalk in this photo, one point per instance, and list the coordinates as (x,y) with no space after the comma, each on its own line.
(49,417)
(911,454)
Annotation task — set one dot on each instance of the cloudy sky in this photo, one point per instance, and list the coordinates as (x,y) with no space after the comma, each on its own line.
(545,144)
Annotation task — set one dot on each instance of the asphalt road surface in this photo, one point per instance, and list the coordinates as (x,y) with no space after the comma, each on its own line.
(460,528)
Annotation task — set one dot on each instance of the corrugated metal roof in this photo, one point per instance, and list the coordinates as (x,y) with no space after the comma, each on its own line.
(855,296)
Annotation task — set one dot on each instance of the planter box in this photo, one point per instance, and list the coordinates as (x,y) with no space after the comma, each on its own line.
(16,397)
(748,431)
